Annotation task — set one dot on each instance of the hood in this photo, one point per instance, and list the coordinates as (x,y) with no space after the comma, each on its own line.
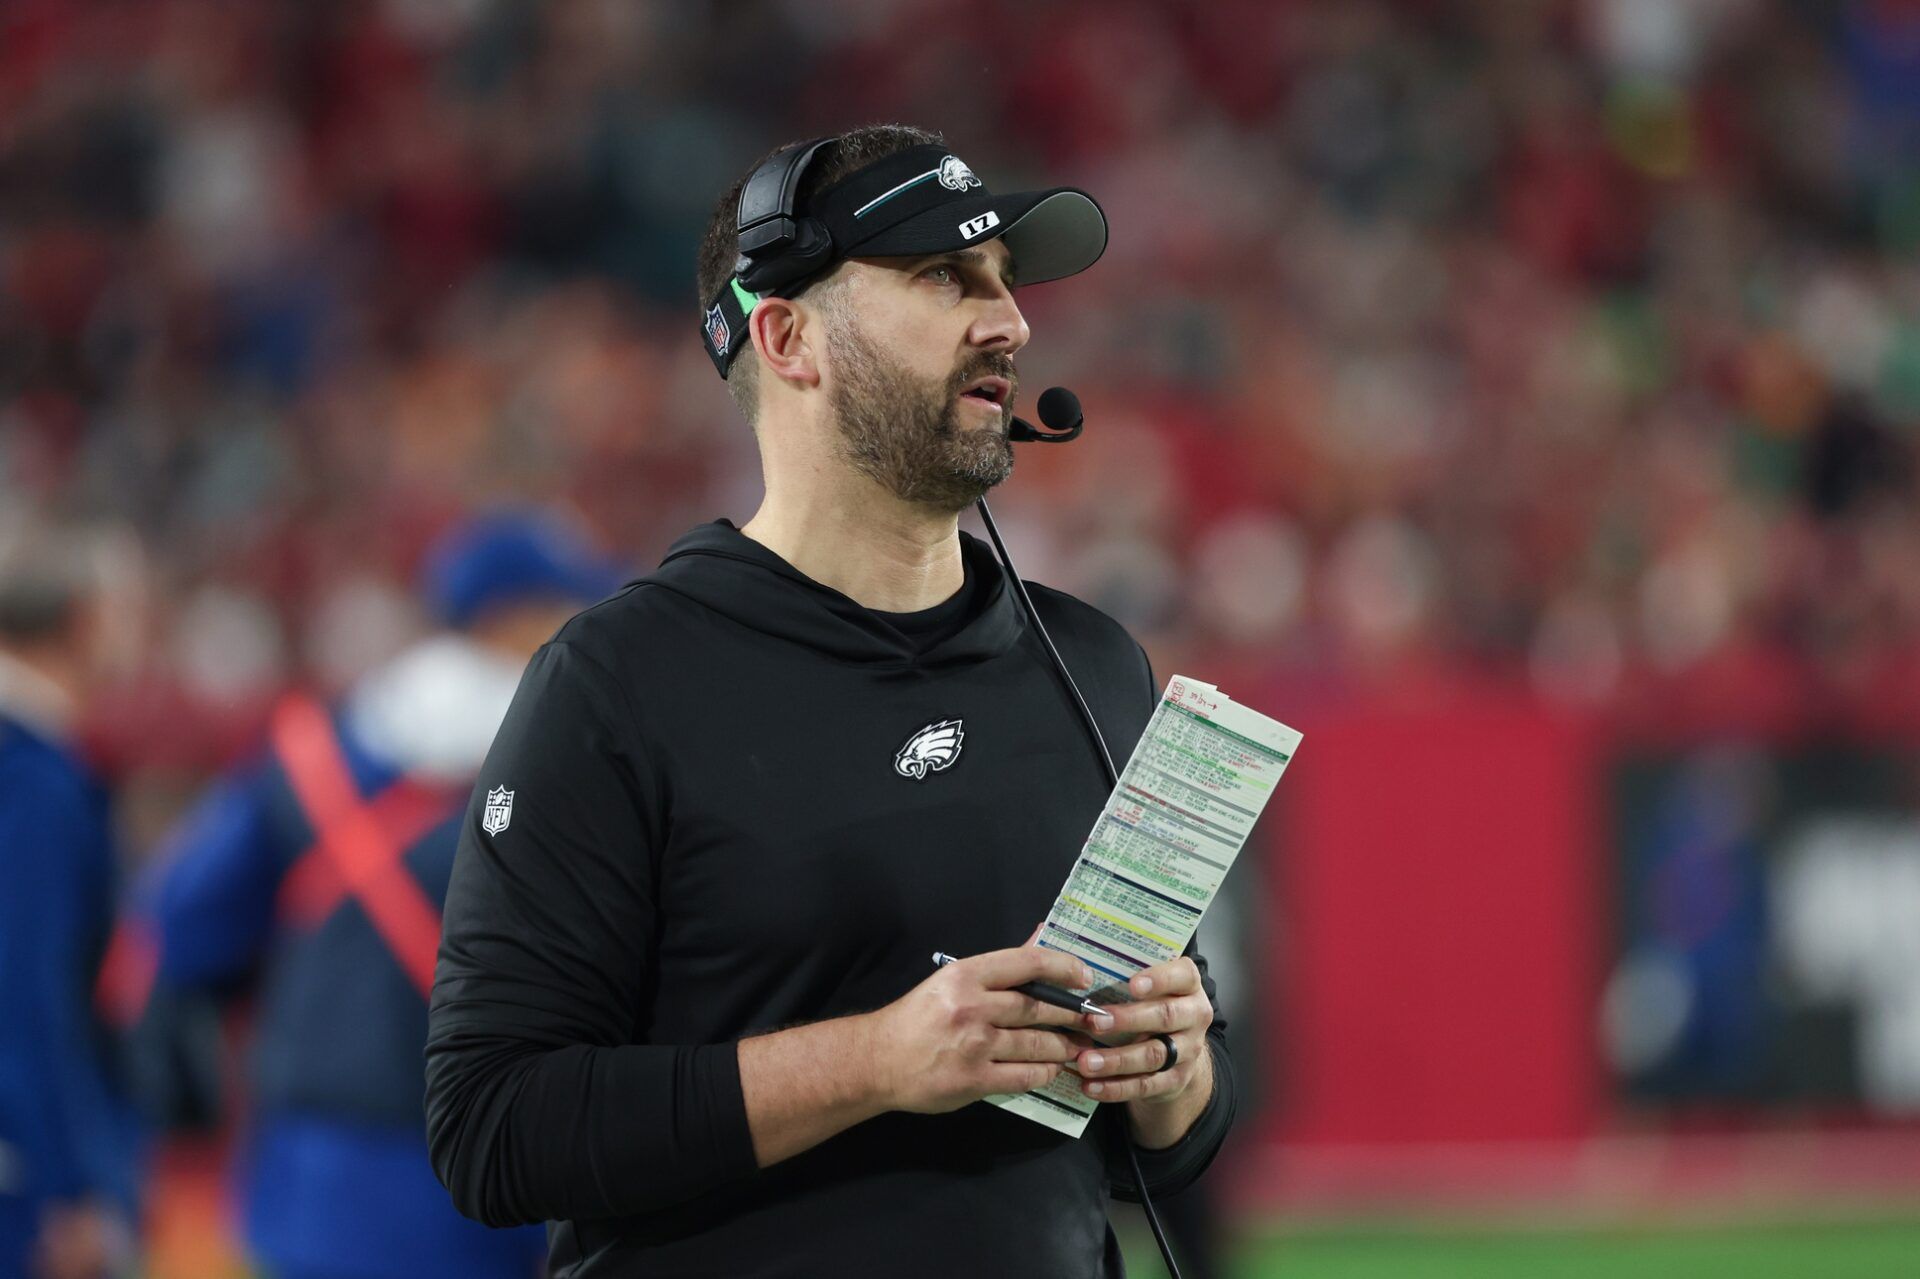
(720,567)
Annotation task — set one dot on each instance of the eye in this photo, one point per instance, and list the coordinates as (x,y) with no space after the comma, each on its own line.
(942,273)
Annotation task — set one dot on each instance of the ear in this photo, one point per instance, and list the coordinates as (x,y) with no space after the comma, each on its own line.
(785,334)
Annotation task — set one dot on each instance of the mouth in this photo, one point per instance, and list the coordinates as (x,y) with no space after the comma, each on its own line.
(991,391)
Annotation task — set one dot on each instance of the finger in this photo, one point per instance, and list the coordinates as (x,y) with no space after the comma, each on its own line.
(1032,1045)
(1034,936)
(1000,969)
(1143,1057)
(1011,1008)
(1134,1087)
(1154,1016)
(1020,1076)
(1178,976)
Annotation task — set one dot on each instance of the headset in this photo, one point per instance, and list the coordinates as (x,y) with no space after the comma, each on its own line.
(778,247)
(781,249)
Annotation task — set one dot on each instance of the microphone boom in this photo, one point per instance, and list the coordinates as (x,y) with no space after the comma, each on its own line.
(1059,409)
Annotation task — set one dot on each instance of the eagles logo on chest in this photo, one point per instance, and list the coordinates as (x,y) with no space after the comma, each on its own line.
(930,750)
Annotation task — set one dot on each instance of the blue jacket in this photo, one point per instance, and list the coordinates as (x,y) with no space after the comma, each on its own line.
(63,1135)
(337,1176)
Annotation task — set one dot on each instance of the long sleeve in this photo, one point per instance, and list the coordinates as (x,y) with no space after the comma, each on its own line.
(56,863)
(209,900)
(540,1105)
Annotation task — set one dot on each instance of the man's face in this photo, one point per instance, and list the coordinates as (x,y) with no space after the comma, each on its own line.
(922,377)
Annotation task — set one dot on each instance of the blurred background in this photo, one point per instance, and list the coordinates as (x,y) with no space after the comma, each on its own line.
(1518,397)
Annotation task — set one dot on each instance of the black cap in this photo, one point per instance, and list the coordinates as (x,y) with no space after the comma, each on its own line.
(921,201)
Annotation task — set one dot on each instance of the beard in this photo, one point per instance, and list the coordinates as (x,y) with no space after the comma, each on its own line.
(904,433)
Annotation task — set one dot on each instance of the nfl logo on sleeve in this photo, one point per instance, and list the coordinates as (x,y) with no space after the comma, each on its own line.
(499,810)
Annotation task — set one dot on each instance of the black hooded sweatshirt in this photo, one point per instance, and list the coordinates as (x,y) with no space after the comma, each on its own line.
(692,828)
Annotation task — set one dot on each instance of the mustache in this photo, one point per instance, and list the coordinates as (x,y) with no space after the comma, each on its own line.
(995,365)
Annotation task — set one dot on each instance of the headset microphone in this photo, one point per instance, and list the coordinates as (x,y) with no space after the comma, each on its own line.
(1059,408)
(1060,411)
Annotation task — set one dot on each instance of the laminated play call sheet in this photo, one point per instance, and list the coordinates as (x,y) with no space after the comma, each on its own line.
(1199,777)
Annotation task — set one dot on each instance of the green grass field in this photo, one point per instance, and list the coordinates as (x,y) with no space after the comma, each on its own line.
(1883,1249)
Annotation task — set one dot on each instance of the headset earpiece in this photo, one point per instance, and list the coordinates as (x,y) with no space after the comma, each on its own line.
(804,249)
(778,247)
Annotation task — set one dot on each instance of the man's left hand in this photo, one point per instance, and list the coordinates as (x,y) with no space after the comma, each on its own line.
(1168,1000)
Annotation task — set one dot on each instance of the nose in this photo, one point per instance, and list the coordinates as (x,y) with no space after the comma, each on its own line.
(1000,326)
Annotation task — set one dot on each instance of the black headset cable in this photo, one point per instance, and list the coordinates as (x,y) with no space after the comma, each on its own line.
(1113,779)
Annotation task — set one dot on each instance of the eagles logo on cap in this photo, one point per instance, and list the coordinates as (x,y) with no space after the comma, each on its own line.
(955,175)
(717,331)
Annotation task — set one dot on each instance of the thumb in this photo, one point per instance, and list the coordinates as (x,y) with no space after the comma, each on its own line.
(1035,935)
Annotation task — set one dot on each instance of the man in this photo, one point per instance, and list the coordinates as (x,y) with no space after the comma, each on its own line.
(66,1179)
(326,860)
(683,1008)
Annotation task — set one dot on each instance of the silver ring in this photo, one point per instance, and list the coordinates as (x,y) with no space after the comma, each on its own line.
(1173,1054)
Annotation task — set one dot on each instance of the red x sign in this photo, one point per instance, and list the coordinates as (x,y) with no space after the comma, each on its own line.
(358,844)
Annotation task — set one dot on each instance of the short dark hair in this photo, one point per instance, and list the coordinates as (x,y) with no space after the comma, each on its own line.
(720,246)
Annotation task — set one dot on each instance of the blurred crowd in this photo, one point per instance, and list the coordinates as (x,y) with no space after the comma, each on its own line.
(1581,338)
(1571,342)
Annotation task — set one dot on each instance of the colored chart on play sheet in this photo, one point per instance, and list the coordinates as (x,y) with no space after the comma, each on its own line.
(1186,802)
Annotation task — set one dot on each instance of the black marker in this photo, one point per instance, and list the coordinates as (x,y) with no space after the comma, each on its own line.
(1040,990)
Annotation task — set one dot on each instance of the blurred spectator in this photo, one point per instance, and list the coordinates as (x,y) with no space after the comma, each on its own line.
(66,1155)
(1482,332)
(324,862)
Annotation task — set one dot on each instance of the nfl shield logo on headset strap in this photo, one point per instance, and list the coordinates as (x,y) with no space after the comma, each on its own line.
(499,810)
(717,332)
(928,751)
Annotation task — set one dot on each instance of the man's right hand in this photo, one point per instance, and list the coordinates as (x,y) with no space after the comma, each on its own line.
(964,1033)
